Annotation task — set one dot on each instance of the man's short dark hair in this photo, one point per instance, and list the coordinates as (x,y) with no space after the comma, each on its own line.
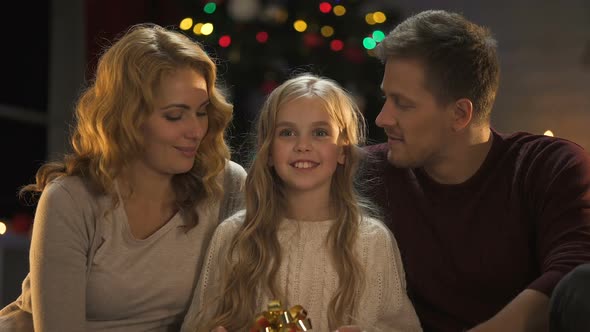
(459,57)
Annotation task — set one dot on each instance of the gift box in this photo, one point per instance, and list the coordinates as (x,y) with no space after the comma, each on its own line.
(278,319)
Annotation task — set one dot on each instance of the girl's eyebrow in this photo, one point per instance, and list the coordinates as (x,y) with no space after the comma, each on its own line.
(285,124)
(292,124)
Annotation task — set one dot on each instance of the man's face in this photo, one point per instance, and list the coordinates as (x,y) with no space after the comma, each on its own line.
(418,127)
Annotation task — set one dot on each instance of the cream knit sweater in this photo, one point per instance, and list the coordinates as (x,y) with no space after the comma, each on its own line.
(311,278)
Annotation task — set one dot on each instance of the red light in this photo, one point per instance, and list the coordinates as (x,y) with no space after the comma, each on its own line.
(262,37)
(325,7)
(336,45)
(224,41)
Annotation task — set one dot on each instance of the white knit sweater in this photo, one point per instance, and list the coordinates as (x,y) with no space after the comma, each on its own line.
(307,276)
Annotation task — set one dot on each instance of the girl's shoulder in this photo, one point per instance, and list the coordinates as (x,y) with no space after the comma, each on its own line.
(234,171)
(372,230)
(232,223)
(372,226)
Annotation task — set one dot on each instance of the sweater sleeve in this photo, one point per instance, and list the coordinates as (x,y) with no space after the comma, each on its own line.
(234,179)
(559,183)
(208,290)
(58,262)
(385,305)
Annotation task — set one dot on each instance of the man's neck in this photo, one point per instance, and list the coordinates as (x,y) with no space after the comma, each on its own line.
(464,157)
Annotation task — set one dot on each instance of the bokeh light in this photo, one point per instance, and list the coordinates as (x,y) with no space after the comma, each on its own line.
(197,28)
(262,36)
(339,10)
(369,19)
(210,8)
(327,31)
(186,23)
(378,36)
(325,7)
(300,25)
(224,41)
(336,45)
(207,29)
(379,17)
(369,43)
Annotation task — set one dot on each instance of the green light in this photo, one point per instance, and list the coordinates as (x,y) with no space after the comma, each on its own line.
(369,43)
(210,8)
(378,35)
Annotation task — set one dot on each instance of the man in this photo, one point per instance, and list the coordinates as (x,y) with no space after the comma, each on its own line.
(487,223)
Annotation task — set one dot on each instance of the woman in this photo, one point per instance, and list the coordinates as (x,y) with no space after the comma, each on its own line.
(123,221)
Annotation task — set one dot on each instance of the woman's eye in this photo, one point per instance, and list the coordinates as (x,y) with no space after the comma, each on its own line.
(202,111)
(173,117)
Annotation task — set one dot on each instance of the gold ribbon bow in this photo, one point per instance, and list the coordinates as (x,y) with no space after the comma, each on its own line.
(276,319)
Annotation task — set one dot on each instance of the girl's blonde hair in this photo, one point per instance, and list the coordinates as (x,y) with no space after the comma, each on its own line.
(107,137)
(255,251)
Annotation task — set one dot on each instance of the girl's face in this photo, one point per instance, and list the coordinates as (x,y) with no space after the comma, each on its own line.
(306,148)
(173,131)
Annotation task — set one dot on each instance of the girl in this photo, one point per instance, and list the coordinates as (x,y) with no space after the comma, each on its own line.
(124,220)
(304,238)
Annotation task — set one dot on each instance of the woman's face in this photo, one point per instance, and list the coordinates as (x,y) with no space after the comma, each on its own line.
(179,121)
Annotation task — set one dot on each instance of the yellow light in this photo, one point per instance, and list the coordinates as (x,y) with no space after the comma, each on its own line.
(197,28)
(186,24)
(300,25)
(548,133)
(327,31)
(2,228)
(369,19)
(379,17)
(207,29)
(339,10)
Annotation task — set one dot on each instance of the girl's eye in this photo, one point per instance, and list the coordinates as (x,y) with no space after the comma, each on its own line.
(286,132)
(202,113)
(321,132)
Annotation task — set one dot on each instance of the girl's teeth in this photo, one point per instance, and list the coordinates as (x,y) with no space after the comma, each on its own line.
(303,164)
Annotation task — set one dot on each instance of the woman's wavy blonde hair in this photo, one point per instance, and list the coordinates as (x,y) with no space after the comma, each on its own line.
(107,137)
(255,250)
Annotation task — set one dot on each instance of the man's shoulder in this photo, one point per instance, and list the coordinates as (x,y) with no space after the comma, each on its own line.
(542,148)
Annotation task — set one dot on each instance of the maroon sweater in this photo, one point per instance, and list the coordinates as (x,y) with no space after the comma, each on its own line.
(522,221)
